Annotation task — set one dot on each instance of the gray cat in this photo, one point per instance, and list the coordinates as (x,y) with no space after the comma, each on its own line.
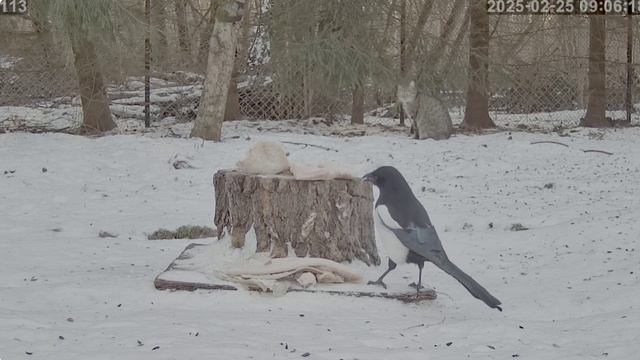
(429,116)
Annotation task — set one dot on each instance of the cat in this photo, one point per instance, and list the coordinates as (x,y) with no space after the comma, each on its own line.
(428,115)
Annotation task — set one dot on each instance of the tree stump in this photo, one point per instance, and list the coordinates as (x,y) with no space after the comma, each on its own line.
(331,219)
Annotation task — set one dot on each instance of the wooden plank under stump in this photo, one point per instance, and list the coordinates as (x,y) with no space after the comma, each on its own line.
(164,284)
(192,250)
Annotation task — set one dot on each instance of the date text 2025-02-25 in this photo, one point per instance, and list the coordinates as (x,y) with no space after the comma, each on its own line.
(563,7)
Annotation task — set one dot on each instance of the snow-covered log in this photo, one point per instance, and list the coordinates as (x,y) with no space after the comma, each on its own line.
(330,219)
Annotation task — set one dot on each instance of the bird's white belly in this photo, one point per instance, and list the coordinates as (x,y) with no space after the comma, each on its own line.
(386,239)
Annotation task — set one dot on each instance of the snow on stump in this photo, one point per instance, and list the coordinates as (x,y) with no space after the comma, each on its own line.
(330,219)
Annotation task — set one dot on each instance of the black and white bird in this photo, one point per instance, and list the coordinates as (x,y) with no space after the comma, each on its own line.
(408,235)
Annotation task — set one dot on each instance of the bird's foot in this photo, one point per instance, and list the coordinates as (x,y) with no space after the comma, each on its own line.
(415,286)
(377,282)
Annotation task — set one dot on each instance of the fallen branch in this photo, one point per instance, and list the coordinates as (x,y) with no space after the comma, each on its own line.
(305,145)
(414,326)
(404,297)
(565,145)
(549,142)
(598,151)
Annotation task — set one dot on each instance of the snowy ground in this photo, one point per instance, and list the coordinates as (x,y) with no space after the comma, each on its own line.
(65,114)
(569,284)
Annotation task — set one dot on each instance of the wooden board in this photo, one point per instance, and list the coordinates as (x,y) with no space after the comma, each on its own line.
(164,281)
(161,283)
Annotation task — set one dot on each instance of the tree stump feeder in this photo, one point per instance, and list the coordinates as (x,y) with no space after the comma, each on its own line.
(331,219)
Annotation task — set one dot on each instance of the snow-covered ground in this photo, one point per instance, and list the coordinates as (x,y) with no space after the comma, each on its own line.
(66,113)
(569,284)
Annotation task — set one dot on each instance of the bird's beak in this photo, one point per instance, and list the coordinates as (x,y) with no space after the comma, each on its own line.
(369,177)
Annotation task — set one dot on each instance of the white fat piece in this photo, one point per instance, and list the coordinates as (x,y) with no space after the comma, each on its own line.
(387,240)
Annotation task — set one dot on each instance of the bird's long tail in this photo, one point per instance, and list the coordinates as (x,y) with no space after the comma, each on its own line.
(474,288)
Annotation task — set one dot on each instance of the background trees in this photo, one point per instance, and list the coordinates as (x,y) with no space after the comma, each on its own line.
(335,59)
(86,25)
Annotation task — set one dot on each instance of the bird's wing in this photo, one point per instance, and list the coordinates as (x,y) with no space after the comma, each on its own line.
(426,242)
(422,240)
(386,218)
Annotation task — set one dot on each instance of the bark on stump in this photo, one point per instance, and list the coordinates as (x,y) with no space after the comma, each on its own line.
(328,219)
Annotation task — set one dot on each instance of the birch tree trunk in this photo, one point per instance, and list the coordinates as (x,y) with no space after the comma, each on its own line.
(222,49)
(206,31)
(597,92)
(476,115)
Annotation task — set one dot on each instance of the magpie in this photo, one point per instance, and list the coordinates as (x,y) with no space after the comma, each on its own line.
(408,235)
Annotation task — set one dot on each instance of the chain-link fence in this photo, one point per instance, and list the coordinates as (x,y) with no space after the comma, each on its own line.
(546,76)
(538,66)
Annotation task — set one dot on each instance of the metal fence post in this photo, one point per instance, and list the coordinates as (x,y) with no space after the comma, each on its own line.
(628,98)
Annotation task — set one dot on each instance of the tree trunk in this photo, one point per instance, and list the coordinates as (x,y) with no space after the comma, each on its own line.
(43,30)
(183,30)
(329,219)
(205,34)
(417,32)
(307,93)
(438,50)
(95,104)
(403,53)
(357,105)
(147,64)
(244,42)
(476,115)
(443,68)
(597,105)
(232,107)
(222,49)
(159,25)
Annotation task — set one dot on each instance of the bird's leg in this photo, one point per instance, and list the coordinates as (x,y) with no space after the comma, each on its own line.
(420,266)
(391,265)
(419,285)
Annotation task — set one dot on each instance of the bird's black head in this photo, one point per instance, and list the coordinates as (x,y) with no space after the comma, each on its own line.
(387,177)
(396,194)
